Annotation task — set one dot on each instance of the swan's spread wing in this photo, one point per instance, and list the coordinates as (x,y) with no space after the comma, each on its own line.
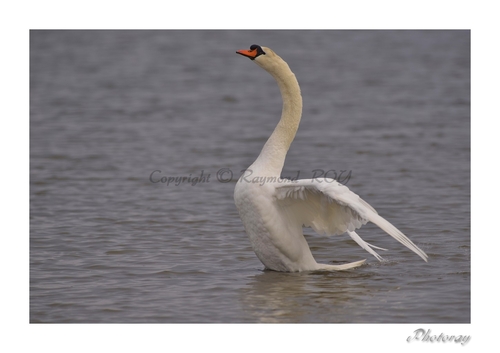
(331,208)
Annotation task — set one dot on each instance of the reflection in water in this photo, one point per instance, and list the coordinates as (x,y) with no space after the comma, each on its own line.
(305,297)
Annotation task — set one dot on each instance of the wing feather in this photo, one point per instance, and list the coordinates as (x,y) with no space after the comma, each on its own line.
(331,208)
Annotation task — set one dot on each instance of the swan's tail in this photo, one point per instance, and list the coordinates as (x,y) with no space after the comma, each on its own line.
(325,267)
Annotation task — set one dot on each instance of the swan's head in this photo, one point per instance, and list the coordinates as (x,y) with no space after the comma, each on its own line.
(253,53)
(263,56)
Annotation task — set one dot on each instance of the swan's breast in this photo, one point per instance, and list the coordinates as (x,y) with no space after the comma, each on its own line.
(255,209)
(278,244)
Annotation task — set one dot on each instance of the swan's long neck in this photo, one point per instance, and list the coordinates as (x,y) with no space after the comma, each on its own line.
(272,157)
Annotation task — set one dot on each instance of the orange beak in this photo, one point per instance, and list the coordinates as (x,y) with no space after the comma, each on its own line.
(252,54)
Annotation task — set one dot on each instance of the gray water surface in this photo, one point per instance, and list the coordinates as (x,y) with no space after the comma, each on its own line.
(114,112)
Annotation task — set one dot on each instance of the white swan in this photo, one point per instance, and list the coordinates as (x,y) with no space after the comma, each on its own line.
(274,210)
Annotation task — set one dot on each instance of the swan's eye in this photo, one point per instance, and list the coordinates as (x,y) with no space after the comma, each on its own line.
(258,48)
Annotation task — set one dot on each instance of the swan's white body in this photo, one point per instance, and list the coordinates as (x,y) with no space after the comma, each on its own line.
(274,210)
